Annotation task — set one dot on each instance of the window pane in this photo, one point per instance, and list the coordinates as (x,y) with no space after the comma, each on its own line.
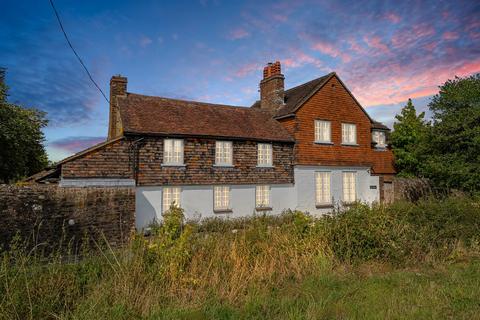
(221,197)
(173,151)
(322,131)
(264,154)
(262,196)
(349,187)
(223,152)
(171,196)
(349,133)
(322,187)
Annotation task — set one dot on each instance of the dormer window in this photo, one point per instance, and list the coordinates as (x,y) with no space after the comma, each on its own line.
(379,138)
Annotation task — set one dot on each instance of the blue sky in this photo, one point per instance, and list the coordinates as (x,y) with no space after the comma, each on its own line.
(214,51)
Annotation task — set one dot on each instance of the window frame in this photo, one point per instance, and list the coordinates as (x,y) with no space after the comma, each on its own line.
(328,202)
(223,143)
(268,155)
(259,194)
(317,122)
(164,193)
(222,189)
(344,198)
(166,152)
(349,143)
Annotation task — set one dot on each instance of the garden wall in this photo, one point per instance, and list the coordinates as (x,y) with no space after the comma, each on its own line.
(53,217)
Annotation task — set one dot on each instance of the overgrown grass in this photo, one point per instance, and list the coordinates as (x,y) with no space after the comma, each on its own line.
(402,261)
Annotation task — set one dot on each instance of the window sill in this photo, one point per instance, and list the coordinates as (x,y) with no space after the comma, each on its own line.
(350,144)
(263,208)
(348,204)
(324,143)
(223,166)
(380,148)
(179,165)
(222,210)
(264,167)
(324,206)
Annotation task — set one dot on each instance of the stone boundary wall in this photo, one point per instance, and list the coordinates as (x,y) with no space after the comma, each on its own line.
(51,217)
(412,189)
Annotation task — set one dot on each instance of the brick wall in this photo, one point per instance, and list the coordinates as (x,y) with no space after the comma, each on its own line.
(335,104)
(116,160)
(42,214)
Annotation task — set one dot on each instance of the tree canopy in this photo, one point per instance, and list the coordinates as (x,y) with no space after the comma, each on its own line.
(452,145)
(409,130)
(21,138)
(447,150)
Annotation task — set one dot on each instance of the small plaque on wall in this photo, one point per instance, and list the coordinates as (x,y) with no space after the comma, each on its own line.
(373,187)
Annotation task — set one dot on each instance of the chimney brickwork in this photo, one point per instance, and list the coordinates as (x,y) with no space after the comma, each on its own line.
(118,87)
(272,88)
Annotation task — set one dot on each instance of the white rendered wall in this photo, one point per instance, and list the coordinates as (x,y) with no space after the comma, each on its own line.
(305,186)
(197,201)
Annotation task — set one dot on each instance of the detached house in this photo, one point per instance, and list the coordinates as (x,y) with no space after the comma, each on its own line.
(309,148)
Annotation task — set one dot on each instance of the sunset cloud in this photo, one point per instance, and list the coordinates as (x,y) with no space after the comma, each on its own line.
(75,144)
(238,33)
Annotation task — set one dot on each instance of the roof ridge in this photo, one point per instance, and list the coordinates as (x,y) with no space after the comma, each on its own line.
(309,82)
(189,101)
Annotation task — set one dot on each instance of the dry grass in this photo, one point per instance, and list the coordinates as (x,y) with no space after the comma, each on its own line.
(290,267)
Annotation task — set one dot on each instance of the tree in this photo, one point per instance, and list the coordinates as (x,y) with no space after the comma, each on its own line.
(408,131)
(21,138)
(452,146)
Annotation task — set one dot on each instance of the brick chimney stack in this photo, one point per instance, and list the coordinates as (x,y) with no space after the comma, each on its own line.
(118,87)
(272,87)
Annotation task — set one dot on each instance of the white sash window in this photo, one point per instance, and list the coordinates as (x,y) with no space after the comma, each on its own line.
(173,151)
(323,188)
(223,153)
(323,131)
(349,133)
(171,196)
(262,196)
(221,198)
(349,187)
(264,152)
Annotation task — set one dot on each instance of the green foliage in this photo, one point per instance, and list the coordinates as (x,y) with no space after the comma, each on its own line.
(21,138)
(452,146)
(409,131)
(350,264)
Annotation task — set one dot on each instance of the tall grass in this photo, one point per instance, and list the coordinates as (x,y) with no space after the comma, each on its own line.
(235,268)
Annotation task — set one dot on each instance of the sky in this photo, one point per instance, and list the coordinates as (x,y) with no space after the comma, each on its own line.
(214,51)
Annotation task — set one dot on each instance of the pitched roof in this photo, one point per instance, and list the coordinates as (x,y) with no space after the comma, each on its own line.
(379,125)
(295,97)
(164,116)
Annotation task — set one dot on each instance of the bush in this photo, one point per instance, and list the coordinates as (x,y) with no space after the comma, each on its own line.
(225,260)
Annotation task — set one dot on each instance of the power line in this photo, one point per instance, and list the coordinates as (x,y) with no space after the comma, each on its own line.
(75,52)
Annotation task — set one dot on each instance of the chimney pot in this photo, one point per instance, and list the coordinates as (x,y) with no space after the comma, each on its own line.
(272,87)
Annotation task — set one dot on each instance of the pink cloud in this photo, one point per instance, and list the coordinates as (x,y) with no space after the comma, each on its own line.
(246,69)
(238,33)
(450,35)
(392,17)
(299,58)
(330,50)
(76,144)
(402,83)
(376,43)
